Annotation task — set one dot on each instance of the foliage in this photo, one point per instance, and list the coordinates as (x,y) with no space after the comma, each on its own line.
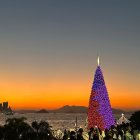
(19,129)
(135,119)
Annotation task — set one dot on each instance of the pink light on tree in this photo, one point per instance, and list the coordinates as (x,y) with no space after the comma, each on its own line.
(99,110)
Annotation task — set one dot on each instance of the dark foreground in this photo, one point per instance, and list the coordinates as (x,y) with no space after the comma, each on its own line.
(19,129)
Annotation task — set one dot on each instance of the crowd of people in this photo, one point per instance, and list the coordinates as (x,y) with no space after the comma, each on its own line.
(19,129)
(116,132)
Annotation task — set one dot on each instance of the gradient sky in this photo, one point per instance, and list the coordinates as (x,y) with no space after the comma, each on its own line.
(48,52)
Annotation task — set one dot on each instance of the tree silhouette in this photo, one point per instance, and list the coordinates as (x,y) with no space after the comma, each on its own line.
(135,119)
(43,131)
(16,128)
(19,129)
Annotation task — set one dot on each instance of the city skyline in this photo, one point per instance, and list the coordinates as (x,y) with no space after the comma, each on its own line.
(49,49)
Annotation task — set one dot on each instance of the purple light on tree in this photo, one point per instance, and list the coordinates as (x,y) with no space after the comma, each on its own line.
(99,111)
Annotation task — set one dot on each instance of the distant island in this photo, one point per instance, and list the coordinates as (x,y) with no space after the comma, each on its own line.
(69,109)
(80,109)
(42,111)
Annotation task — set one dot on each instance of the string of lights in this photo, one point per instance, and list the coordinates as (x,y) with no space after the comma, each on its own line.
(99,110)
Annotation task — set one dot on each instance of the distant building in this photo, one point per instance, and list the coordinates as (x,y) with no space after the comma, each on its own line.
(1,108)
(122,120)
(5,108)
(5,105)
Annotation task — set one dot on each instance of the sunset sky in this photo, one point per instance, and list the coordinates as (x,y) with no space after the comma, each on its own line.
(48,52)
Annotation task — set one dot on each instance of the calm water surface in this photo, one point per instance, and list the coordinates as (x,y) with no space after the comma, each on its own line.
(56,120)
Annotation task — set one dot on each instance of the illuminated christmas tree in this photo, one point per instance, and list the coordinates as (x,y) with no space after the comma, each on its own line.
(99,111)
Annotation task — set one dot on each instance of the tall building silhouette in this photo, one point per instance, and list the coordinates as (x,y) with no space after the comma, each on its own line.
(1,108)
(99,110)
(5,105)
(5,108)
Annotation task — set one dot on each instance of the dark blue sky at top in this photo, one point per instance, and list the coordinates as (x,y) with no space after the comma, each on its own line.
(63,36)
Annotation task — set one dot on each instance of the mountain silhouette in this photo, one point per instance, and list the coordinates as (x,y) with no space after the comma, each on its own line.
(80,109)
(70,109)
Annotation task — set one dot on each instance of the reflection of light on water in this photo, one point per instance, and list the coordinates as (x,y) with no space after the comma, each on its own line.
(57,120)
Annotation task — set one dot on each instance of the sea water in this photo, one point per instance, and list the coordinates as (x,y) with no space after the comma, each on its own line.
(56,120)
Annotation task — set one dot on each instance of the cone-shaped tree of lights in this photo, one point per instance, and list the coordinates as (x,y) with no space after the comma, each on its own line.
(99,111)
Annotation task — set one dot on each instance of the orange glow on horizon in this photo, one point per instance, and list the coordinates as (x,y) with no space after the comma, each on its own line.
(31,93)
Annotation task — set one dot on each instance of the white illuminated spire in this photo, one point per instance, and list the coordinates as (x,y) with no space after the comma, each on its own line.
(98,61)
